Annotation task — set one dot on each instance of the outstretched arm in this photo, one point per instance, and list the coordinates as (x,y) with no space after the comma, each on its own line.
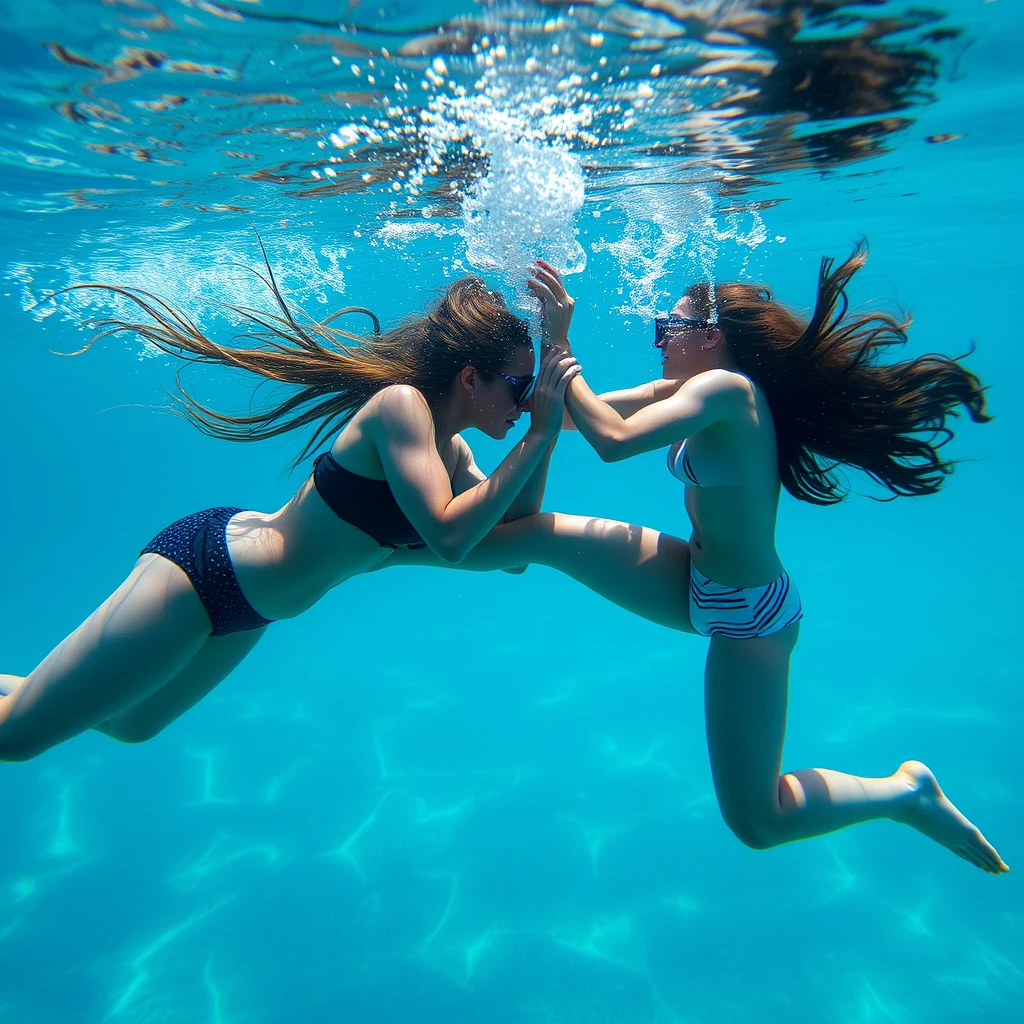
(709,398)
(628,401)
(626,423)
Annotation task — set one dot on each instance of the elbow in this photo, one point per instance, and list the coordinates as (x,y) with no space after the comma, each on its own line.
(451,555)
(612,450)
(609,441)
(450,551)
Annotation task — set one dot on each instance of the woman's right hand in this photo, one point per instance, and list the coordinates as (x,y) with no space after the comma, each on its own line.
(547,402)
(556,304)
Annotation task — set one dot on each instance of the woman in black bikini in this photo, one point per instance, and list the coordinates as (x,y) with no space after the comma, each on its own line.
(398,474)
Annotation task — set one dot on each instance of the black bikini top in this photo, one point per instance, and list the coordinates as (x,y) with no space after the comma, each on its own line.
(367,504)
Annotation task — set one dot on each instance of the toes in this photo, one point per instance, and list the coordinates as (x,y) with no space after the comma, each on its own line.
(970,854)
(998,863)
(991,863)
(966,855)
(985,862)
(988,852)
(980,855)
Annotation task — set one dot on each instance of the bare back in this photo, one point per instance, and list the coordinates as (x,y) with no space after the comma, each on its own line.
(287,560)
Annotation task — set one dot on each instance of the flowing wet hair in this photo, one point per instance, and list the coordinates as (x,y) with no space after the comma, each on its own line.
(834,404)
(332,372)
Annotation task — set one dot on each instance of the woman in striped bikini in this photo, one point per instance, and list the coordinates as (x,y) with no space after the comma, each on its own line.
(753,399)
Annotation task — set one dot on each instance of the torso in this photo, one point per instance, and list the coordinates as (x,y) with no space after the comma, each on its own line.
(287,560)
(735,504)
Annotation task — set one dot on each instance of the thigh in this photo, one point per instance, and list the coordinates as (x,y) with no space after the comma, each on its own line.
(642,570)
(137,640)
(214,661)
(746,692)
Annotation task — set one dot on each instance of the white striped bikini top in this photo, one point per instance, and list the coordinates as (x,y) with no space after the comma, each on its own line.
(679,465)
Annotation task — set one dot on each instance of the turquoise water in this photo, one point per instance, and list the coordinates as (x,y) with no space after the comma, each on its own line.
(440,796)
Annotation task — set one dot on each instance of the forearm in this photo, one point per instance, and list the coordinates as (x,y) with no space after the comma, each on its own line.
(470,516)
(631,400)
(503,549)
(531,497)
(595,419)
(528,502)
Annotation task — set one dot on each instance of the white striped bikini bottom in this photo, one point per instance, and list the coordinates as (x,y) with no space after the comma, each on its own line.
(742,612)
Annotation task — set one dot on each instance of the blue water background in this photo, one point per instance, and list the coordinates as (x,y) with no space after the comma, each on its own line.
(440,796)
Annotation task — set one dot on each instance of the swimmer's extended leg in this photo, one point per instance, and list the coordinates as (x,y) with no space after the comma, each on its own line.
(635,567)
(746,693)
(141,637)
(212,663)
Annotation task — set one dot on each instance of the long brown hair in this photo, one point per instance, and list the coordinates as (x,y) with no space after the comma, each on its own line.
(333,371)
(834,404)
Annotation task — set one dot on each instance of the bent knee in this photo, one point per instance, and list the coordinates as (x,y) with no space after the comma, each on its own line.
(12,749)
(129,732)
(756,832)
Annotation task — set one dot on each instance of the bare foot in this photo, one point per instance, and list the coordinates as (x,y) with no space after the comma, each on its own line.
(926,808)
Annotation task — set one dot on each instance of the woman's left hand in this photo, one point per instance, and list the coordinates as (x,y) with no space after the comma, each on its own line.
(557,304)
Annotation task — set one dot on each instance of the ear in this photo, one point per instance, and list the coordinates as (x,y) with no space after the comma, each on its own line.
(468,379)
(712,340)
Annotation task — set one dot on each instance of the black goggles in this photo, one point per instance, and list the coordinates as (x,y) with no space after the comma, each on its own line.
(669,322)
(522,387)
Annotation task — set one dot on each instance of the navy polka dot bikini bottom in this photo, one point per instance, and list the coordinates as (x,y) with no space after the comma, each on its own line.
(198,545)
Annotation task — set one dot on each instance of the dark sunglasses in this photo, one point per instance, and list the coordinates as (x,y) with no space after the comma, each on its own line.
(522,387)
(668,322)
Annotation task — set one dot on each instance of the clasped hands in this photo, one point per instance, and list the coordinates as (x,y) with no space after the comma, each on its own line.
(556,305)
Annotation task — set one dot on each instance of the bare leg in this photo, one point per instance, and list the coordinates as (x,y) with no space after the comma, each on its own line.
(216,659)
(635,567)
(746,693)
(141,637)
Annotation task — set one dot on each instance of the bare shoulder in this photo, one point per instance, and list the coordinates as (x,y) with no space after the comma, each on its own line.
(399,398)
(398,412)
(461,447)
(661,387)
(726,386)
(399,404)
(458,459)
